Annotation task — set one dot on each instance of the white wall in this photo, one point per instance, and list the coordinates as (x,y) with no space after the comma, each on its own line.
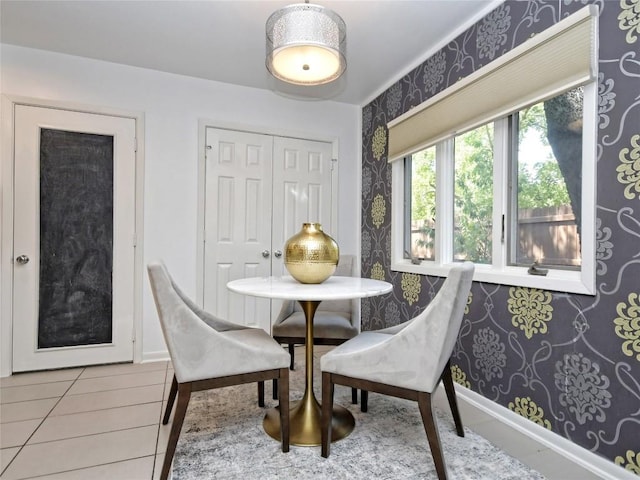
(172,106)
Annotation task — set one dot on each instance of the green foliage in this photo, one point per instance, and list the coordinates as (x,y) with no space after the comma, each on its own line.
(423,195)
(542,184)
(473,201)
(543,187)
(423,192)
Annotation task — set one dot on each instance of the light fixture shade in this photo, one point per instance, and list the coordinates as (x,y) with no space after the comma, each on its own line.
(306,44)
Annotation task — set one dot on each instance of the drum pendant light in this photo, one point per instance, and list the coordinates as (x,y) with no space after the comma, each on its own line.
(306,44)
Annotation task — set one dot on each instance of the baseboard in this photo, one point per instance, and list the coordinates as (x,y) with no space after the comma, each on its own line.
(160,356)
(591,461)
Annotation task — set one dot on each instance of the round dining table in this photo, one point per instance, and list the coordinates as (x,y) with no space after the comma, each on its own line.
(305,415)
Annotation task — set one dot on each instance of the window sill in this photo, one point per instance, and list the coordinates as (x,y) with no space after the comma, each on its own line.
(555,280)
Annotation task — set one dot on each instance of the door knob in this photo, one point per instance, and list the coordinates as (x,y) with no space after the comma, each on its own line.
(22,260)
(277,253)
(265,253)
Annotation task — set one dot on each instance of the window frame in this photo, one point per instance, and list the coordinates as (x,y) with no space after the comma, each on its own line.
(580,281)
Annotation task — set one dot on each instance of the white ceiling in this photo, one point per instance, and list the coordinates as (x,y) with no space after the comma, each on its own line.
(225,40)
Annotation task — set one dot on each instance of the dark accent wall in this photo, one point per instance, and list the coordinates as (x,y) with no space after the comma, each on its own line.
(568,362)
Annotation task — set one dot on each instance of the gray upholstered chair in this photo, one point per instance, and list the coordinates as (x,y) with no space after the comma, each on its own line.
(334,322)
(406,361)
(208,353)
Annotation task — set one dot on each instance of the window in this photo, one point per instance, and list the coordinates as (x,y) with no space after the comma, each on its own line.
(499,168)
(504,195)
(545,194)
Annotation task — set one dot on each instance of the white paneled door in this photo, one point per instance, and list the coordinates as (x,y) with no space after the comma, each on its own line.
(74,238)
(237,220)
(259,189)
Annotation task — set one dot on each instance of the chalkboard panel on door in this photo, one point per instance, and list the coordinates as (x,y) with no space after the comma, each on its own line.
(76,238)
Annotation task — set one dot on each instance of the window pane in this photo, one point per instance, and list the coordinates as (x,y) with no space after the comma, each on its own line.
(549,178)
(473,190)
(423,204)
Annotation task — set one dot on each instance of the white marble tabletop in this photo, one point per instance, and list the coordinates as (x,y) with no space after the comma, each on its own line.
(287,288)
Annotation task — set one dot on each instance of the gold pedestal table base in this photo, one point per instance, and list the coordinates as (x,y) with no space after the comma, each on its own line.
(305,416)
(304,420)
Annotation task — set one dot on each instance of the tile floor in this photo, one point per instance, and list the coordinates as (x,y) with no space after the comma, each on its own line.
(104,423)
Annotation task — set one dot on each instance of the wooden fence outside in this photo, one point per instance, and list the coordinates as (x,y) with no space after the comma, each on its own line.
(548,235)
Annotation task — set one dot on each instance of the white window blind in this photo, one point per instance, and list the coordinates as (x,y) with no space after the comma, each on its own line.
(562,57)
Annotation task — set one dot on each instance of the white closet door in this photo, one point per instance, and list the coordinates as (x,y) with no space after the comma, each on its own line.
(259,189)
(302,183)
(301,189)
(237,222)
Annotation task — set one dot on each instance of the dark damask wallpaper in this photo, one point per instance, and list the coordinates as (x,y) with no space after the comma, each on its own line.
(568,362)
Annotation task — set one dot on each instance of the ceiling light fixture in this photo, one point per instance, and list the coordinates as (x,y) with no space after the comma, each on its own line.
(306,44)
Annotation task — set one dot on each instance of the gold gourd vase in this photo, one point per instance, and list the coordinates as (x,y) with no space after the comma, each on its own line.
(311,256)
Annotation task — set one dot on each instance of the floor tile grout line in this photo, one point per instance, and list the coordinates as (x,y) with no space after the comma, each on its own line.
(40,424)
(33,385)
(31,400)
(119,374)
(122,374)
(3,387)
(89,434)
(49,414)
(84,468)
(41,372)
(113,389)
(77,379)
(149,402)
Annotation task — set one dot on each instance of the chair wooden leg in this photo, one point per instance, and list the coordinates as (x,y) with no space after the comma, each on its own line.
(291,354)
(172,396)
(261,394)
(327,411)
(364,400)
(274,388)
(184,394)
(354,396)
(424,402)
(283,394)
(447,381)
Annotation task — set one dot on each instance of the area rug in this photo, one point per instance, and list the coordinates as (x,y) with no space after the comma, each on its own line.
(222,438)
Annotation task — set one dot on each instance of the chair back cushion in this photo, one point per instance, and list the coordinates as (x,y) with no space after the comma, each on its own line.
(450,311)
(203,346)
(412,357)
(436,329)
(327,325)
